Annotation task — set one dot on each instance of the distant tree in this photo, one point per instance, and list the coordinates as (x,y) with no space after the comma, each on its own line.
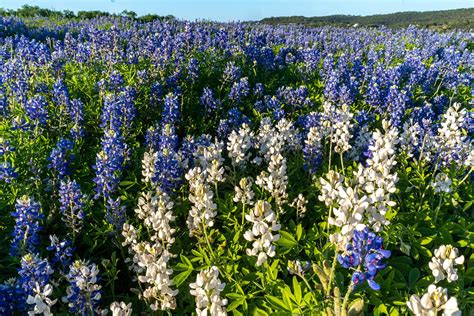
(69,14)
(129,14)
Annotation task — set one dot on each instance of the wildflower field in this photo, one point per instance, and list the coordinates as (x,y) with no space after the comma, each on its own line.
(211,168)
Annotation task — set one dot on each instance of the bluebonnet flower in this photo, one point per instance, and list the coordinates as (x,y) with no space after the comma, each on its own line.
(8,295)
(20,123)
(258,90)
(115,80)
(239,90)
(232,72)
(295,98)
(167,166)
(75,110)
(62,252)
(109,164)
(396,104)
(274,105)
(33,271)
(365,254)
(3,100)
(5,147)
(7,172)
(208,101)
(189,147)
(59,159)
(83,293)
(119,111)
(60,94)
(193,69)
(156,93)
(36,110)
(28,219)
(234,119)
(170,113)
(72,204)
(115,213)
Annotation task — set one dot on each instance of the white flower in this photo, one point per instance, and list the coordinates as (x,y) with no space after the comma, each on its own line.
(436,300)
(451,142)
(148,166)
(442,183)
(264,223)
(239,143)
(243,192)
(203,210)
(121,309)
(41,300)
(299,203)
(442,264)
(207,289)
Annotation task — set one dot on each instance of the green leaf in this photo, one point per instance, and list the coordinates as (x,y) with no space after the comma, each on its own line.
(286,240)
(235,304)
(357,307)
(180,278)
(413,277)
(297,290)
(299,232)
(277,303)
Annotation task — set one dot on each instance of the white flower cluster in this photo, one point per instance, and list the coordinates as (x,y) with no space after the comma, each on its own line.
(442,183)
(272,144)
(239,143)
(364,200)
(264,224)
(148,166)
(150,258)
(207,289)
(434,301)
(203,210)
(451,141)
(377,180)
(121,309)
(210,159)
(41,301)
(340,129)
(336,124)
(243,192)
(299,203)
(442,264)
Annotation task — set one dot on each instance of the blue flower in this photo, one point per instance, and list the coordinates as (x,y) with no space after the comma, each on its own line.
(36,110)
(28,219)
(59,158)
(62,252)
(83,293)
(365,254)
(34,270)
(72,204)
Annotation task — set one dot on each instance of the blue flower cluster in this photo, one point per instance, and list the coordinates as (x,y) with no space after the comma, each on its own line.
(365,254)
(59,158)
(83,293)
(234,119)
(210,104)
(167,166)
(36,110)
(28,219)
(72,204)
(34,270)
(62,251)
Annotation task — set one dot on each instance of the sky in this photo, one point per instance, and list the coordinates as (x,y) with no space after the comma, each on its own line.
(244,10)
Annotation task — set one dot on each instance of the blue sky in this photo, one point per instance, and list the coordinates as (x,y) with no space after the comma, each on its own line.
(226,10)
